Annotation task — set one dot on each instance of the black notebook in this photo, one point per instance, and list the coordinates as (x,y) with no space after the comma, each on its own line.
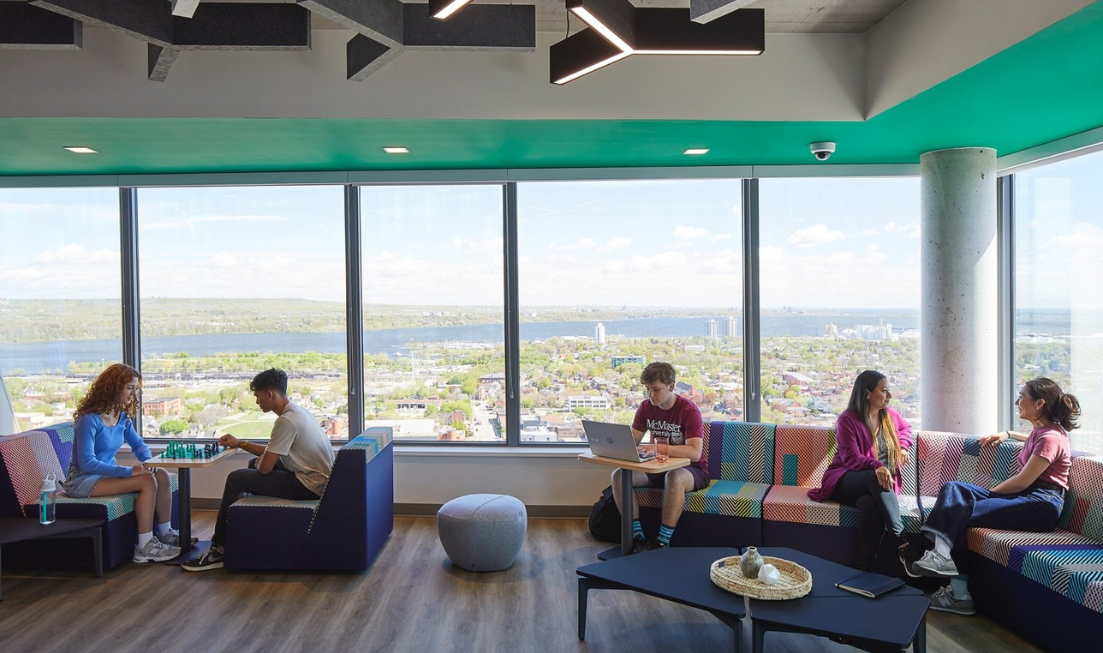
(870,584)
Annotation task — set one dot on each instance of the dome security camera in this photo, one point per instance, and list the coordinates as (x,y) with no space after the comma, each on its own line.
(822,149)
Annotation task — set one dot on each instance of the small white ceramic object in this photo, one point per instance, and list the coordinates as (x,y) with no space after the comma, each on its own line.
(769,574)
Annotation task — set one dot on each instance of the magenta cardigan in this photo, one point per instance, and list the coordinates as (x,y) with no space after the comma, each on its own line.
(856,451)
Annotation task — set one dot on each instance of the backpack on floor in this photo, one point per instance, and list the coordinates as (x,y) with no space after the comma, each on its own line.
(605,518)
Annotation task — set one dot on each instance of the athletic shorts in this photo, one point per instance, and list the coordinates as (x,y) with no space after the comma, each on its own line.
(700,478)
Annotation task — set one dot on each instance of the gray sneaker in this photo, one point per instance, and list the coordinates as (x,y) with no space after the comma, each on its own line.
(943,600)
(155,551)
(934,564)
(171,538)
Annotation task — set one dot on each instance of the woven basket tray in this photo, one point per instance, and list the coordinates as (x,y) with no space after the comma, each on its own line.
(795,581)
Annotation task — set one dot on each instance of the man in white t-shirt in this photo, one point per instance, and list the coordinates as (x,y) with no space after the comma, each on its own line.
(295,465)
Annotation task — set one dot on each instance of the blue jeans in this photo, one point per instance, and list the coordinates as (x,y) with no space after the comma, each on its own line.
(962,505)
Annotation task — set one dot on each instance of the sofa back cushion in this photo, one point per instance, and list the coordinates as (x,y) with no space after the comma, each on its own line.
(945,457)
(740,451)
(1083,512)
(25,459)
(802,454)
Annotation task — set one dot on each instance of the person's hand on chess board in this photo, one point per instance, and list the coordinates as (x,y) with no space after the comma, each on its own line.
(229,441)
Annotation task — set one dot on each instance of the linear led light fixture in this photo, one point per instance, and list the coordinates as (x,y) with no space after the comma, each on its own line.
(692,151)
(629,31)
(581,54)
(442,9)
(80,149)
(613,19)
(396,150)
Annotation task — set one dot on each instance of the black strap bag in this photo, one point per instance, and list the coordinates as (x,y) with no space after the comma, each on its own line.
(605,518)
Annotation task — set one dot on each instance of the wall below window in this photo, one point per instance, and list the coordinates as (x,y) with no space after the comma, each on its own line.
(428,477)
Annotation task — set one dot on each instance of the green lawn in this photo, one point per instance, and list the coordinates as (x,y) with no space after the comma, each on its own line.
(251,430)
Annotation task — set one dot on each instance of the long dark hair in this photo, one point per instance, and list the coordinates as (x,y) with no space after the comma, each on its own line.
(867,382)
(1057,406)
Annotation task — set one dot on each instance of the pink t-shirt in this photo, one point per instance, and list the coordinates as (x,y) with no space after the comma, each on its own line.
(1051,443)
(680,423)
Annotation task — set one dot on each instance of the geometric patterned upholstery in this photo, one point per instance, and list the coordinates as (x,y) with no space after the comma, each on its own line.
(739,456)
(740,451)
(1084,501)
(945,457)
(791,504)
(731,498)
(802,454)
(1068,563)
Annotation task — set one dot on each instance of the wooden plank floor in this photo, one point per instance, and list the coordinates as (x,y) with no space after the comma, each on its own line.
(411,600)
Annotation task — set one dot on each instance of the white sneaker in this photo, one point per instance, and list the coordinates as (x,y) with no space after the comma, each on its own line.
(155,551)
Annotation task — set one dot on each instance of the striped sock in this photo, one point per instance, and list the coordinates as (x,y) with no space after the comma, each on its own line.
(665,533)
(637,530)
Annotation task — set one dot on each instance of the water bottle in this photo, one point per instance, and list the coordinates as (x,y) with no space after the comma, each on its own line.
(47,499)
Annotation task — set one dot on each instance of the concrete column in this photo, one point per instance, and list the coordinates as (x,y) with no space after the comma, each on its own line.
(959,318)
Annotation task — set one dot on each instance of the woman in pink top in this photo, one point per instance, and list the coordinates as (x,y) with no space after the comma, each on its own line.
(1031,500)
(873,442)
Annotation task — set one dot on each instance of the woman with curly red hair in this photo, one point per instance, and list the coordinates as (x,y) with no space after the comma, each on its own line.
(101,424)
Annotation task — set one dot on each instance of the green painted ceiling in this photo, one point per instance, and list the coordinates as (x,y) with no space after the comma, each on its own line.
(1042,89)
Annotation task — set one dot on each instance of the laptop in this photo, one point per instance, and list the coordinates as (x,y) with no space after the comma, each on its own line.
(613,441)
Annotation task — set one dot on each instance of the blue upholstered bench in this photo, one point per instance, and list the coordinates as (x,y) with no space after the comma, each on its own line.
(25,459)
(343,530)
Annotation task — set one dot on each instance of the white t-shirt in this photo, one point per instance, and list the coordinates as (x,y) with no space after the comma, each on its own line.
(303,448)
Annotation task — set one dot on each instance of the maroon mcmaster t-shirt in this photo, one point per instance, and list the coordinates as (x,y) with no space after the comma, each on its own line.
(680,423)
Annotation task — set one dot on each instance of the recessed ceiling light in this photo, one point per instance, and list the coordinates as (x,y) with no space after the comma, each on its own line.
(396,150)
(80,149)
(697,150)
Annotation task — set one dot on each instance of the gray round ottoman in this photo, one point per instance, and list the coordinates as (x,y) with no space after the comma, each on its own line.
(482,532)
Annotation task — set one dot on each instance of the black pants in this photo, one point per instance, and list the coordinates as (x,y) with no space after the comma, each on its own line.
(277,483)
(878,511)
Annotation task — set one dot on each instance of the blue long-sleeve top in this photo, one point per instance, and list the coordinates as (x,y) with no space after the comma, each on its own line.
(95,445)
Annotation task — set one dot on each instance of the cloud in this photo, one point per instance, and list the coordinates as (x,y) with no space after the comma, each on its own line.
(815,235)
(911,229)
(689,233)
(720,237)
(584,243)
(75,254)
(615,244)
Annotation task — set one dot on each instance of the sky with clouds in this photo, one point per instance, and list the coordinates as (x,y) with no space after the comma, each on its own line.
(831,243)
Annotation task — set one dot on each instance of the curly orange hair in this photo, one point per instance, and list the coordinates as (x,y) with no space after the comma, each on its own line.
(103,395)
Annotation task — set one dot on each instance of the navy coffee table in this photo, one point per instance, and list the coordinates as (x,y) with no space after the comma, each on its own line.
(890,623)
(680,575)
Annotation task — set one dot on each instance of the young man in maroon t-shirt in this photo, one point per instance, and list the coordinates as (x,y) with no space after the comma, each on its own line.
(665,413)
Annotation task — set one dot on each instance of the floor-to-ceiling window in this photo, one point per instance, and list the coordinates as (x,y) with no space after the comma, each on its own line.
(616,275)
(60,309)
(235,280)
(839,268)
(434,363)
(1058,274)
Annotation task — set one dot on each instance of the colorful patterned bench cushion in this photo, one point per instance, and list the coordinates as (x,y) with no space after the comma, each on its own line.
(257,501)
(733,498)
(945,457)
(802,454)
(787,503)
(740,451)
(27,458)
(372,441)
(1068,563)
(1084,503)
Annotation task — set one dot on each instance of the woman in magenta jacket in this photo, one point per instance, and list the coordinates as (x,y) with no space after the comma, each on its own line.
(873,442)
